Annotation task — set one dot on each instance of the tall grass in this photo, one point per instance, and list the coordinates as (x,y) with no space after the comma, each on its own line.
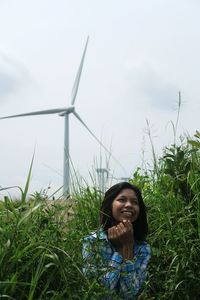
(172,196)
(40,241)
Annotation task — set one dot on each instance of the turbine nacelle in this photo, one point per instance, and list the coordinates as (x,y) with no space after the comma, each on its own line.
(67,111)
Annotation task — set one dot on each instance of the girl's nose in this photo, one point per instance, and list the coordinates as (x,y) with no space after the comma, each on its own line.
(128,203)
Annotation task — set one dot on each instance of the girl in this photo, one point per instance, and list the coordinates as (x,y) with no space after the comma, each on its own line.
(118,254)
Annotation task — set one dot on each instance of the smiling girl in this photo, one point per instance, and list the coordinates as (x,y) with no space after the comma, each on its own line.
(117,255)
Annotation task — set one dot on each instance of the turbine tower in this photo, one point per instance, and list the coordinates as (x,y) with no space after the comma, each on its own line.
(65,112)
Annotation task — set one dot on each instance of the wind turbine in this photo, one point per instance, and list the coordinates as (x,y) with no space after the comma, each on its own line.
(65,112)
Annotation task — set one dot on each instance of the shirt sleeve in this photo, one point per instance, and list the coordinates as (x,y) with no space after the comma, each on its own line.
(109,274)
(133,272)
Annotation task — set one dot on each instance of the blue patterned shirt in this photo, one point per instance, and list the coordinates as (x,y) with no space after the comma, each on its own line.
(102,261)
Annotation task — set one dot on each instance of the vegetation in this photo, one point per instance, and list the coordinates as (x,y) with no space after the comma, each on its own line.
(40,244)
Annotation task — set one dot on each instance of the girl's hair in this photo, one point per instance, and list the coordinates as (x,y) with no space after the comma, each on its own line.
(106,218)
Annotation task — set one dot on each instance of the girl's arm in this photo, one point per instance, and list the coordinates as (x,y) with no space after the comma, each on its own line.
(133,272)
(133,268)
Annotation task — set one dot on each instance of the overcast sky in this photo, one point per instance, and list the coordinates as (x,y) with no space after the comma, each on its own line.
(140,54)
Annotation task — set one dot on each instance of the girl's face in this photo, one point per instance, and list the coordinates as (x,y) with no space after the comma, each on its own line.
(125,206)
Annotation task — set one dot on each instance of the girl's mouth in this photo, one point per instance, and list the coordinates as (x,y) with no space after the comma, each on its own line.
(127,213)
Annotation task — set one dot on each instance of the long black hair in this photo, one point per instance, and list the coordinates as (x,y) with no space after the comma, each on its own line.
(106,218)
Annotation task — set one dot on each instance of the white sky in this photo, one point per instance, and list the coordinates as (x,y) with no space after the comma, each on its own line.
(140,54)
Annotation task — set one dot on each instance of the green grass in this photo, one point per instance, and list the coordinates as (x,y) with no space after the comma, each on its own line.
(40,246)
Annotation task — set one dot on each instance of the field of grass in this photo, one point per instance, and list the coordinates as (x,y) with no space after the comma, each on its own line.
(40,240)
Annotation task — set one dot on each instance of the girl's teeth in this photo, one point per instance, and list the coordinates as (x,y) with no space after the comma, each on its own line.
(128,213)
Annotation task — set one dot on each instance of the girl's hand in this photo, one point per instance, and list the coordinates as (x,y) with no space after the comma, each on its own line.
(121,234)
(121,237)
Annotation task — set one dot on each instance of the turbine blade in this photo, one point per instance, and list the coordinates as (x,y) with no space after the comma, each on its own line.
(34,113)
(96,138)
(78,76)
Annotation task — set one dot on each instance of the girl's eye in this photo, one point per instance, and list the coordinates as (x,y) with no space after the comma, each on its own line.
(135,202)
(121,199)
